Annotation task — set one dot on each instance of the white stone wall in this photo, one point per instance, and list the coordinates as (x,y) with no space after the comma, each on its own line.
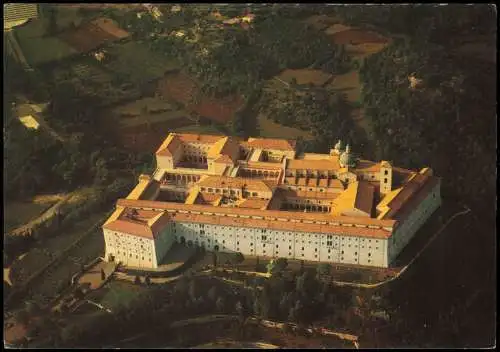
(129,249)
(407,229)
(294,245)
(164,162)
(164,242)
(385,179)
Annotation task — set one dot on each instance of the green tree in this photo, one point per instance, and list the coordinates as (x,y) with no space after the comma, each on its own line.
(323,269)
(22,316)
(193,290)
(220,304)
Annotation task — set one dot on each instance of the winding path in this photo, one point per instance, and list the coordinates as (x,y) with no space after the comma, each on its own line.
(49,213)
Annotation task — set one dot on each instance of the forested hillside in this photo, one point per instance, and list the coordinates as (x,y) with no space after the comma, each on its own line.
(445,119)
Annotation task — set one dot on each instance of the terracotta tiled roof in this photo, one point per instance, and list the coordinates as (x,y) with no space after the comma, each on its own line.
(413,187)
(169,145)
(140,226)
(198,138)
(282,226)
(404,211)
(358,195)
(364,197)
(207,198)
(301,164)
(268,143)
(224,159)
(367,166)
(170,206)
(226,146)
(253,203)
(263,165)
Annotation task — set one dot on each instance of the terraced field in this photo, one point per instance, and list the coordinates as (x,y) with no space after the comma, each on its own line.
(93,34)
(135,63)
(93,80)
(184,90)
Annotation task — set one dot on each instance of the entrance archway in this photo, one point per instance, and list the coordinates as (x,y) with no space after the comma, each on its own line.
(216,248)
(111,258)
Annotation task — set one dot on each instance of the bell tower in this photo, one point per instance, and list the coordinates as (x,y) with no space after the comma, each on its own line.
(385,177)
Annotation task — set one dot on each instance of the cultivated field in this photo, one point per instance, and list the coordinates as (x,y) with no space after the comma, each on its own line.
(91,79)
(146,138)
(320,22)
(184,90)
(271,129)
(201,129)
(93,34)
(347,83)
(52,246)
(39,48)
(116,293)
(135,63)
(147,111)
(358,36)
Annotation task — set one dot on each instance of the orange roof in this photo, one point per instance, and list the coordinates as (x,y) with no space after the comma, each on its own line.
(198,138)
(367,166)
(301,164)
(269,143)
(404,211)
(141,225)
(286,215)
(358,195)
(226,146)
(224,159)
(207,198)
(263,165)
(281,225)
(410,189)
(364,197)
(169,145)
(254,203)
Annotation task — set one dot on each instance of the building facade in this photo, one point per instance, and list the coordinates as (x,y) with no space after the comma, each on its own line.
(259,198)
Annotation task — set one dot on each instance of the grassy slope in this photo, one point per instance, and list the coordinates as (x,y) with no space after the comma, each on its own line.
(38,48)
(135,61)
(19,213)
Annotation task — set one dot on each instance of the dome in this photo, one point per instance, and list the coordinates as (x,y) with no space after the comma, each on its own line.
(346,158)
(338,146)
